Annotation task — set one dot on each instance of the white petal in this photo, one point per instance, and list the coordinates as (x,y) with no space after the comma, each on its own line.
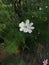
(32,28)
(25,30)
(21,24)
(27,21)
(31,24)
(21,29)
(30,31)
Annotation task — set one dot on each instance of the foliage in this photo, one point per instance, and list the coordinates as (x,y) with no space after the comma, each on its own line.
(18,11)
(12,60)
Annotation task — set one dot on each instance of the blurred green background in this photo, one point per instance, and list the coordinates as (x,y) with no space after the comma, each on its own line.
(12,12)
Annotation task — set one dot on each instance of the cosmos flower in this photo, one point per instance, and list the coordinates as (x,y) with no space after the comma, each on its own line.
(26,26)
(45,62)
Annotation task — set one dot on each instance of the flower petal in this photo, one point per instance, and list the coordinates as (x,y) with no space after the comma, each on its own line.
(31,24)
(27,21)
(21,24)
(46,61)
(29,31)
(44,64)
(21,29)
(25,30)
(32,28)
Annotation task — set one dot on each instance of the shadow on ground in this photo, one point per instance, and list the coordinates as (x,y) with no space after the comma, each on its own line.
(31,58)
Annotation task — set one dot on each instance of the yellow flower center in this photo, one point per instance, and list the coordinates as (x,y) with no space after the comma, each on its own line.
(25,26)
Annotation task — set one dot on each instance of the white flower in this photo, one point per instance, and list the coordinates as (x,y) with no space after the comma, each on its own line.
(26,27)
(40,8)
(46,6)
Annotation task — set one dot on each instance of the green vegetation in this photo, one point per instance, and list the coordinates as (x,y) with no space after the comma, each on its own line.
(12,12)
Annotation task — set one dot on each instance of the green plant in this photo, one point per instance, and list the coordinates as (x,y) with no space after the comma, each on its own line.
(36,11)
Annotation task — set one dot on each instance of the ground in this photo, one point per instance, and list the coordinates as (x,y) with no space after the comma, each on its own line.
(30,58)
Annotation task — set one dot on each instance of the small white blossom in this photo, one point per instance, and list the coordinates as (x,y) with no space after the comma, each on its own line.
(46,6)
(40,8)
(26,27)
